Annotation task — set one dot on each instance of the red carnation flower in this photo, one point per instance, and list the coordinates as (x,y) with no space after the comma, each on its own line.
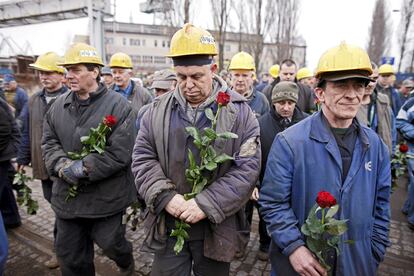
(325,199)
(109,120)
(403,148)
(223,98)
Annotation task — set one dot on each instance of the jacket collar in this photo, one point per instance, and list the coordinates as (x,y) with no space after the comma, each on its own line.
(58,92)
(69,97)
(320,130)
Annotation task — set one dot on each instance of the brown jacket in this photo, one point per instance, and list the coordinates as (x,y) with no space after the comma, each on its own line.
(384,118)
(30,147)
(155,164)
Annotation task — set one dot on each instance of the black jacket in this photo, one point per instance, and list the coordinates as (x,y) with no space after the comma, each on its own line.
(270,125)
(9,133)
(109,187)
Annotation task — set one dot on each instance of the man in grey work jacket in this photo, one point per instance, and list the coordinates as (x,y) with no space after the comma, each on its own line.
(160,161)
(105,185)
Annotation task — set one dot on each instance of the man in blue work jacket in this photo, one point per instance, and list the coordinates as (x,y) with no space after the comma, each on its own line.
(330,151)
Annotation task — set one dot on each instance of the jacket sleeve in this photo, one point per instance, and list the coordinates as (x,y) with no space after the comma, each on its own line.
(382,211)
(5,125)
(21,101)
(227,195)
(118,149)
(23,154)
(52,150)
(275,197)
(393,130)
(404,125)
(151,183)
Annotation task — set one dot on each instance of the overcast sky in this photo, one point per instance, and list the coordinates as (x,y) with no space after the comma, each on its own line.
(322,23)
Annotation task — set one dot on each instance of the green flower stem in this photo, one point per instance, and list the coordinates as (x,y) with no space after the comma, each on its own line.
(214,122)
(323,216)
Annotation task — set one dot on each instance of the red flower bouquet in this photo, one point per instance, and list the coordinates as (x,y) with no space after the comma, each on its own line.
(323,234)
(94,142)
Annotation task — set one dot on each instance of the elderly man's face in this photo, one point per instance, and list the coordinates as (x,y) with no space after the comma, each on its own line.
(195,82)
(51,81)
(242,81)
(121,76)
(108,80)
(287,73)
(341,99)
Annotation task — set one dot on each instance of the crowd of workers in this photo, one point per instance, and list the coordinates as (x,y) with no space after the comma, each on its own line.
(297,133)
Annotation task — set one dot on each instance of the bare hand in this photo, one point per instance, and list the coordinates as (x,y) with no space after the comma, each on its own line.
(304,263)
(20,168)
(193,213)
(255,194)
(176,205)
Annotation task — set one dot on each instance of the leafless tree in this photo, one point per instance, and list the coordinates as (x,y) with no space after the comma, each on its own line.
(285,27)
(221,10)
(405,30)
(256,18)
(379,32)
(274,21)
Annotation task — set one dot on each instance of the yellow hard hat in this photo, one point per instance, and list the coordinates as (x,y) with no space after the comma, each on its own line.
(243,61)
(121,60)
(344,57)
(48,63)
(191,40)
(274,70)
(304,73)
(386,69)
(81,53)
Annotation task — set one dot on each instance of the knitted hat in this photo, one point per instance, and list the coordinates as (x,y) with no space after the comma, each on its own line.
(285,90)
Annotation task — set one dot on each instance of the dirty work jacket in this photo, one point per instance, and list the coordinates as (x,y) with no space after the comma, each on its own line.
(304,160)
(155,165)
(384,122)
(108,189)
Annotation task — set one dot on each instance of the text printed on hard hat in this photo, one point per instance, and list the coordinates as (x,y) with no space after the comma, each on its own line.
(88,53)
(207,39)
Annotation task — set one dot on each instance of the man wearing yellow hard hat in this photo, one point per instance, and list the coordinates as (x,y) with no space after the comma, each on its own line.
(103,180)
(51,78)
(330,151)
(121,66)
(242,71)
(305,77)
(160,161)
(287,72)
(385,86)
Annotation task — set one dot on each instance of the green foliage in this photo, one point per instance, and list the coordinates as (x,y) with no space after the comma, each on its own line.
(24,195)
(323,234)
(132,215)
(94,142)
(196,174)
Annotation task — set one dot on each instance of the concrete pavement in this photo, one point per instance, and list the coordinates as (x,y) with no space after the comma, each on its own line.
(31,245)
